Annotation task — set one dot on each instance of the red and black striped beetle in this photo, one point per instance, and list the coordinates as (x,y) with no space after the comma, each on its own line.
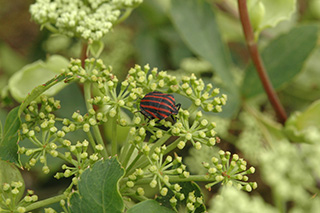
(158,105)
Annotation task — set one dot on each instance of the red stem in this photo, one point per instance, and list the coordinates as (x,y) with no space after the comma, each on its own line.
(83,55)
(255,56)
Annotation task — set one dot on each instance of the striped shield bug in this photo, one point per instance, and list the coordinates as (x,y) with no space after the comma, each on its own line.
(158,105)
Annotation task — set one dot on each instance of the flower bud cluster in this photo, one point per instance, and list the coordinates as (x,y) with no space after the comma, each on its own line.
(94,71)
(200,132)
(109,101)
(151,80)
(202,95)
(193,202)
(89,20)
(83,159)
(10,196)
(229,170)
(40,117)
(84,122)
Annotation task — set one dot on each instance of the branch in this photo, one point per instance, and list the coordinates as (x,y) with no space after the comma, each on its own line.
(256,58)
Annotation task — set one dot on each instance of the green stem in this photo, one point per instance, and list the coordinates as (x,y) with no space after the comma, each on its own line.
(124,16)
(60,155)
(199,178)
(114,142)
(159,143)
(134,162)
(281,206)
(124,151)
(128,156)
(143,160)
(192,108)
(173,145)
(96,131)
(45,202)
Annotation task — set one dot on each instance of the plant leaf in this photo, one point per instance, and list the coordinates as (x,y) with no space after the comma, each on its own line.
(8,145)
(283,58)
(9,173)
(36,92)
(98,188)
(304,127)
(187,187)
(32,75)
(195,22)
(275,12)
(150,206)
(96,48)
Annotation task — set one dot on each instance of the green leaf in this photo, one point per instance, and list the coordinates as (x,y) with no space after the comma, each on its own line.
(98,188)
(304,126)
(32,75)
(0,131)
(150,206)
(96,48)
(283,58)
(11,61)
(9,173)
(187,187)
(8,145)
(275,11)
(36,92)
(195,22)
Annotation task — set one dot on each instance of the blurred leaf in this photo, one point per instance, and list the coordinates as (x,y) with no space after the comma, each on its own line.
(275,12)
(150,206)
(56,43)
(98,188)
(195,21)
(305,88)
(37,73)
(36,92)
(122,130)
(10,62)
(283,58)
(187,187)
(96,48)
(8,145)
(9,173)
(305,126)
(148,47)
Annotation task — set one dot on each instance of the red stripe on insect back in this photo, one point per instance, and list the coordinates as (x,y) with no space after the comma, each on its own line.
(157,115)
(151,113)
(158,102)
(156,108)
(171,100)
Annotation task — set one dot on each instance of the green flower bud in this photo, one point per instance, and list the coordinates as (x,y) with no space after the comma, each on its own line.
(177,187)
(153,168)
(190,206)
(34,198)
(45,169)
(21,209)
(257,12)
(164,191)
(15,191)
(181,144)
(212,170)
(140,191)
(153,184)
(99,147)
(198,145)
(130,184)
(86,127)
(173,200)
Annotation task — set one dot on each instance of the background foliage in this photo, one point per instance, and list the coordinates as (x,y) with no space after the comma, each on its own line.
(205,38)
